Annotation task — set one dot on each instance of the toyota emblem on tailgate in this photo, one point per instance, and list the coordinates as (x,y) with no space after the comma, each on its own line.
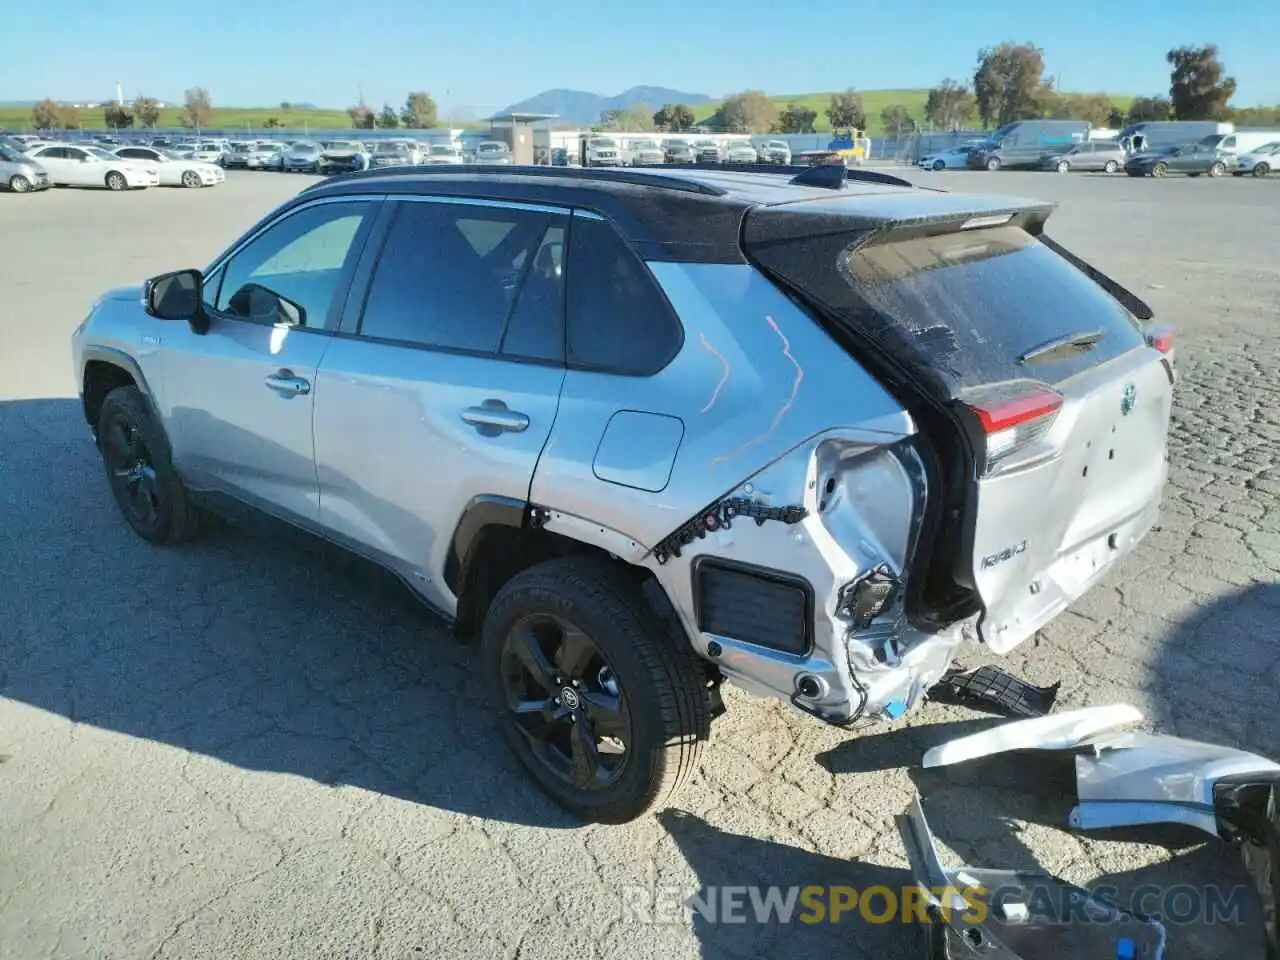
(1128,399)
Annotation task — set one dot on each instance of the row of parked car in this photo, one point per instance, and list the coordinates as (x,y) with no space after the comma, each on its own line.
(1205,157)
(29,164)
(630,151)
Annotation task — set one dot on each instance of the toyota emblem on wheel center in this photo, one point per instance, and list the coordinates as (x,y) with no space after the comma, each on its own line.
(1128,399)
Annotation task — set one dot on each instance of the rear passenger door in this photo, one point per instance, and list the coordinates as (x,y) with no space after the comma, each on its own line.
(445,381)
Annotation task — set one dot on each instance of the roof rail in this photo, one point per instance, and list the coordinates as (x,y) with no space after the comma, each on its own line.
(607,174)
(801,170)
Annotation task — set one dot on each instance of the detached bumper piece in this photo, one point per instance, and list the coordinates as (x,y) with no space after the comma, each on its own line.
(1017,915)
(995,690)
(1133,779)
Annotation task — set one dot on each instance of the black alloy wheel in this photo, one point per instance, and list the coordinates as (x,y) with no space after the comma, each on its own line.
(566,701)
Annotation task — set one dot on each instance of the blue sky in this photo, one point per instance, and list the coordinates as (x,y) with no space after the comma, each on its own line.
(483,55)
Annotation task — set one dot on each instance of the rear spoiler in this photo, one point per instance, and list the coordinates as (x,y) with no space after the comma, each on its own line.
(1131,301)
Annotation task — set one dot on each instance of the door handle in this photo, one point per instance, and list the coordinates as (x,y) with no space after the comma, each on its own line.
(500,418)
(286,384)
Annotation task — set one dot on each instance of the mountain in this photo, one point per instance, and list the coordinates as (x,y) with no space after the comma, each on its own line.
(578,106)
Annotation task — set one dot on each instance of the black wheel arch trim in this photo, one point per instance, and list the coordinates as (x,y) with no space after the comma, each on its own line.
(480,512)
(116,358)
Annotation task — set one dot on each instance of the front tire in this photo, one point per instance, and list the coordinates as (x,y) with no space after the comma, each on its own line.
(1218,169)
(135,454)
(20,184)
(938,165)
(116,181)
(1111,167)
(993,164)
(605,709)
(191,180)
(1160,169)
(1063,166)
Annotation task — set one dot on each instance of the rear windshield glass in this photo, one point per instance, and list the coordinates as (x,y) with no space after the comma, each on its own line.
(975,307)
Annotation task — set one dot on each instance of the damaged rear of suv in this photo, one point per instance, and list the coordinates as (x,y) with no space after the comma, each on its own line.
(801,430)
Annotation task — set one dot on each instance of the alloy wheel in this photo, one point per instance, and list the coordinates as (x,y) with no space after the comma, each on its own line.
(566,701)
(132,471)
(19,184)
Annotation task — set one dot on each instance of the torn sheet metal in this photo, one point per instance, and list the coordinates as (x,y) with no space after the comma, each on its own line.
(1061,731)
(1136,778)
(1018,915)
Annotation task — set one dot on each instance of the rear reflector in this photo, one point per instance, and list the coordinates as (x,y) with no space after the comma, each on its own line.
(1011,417)
(1161,338)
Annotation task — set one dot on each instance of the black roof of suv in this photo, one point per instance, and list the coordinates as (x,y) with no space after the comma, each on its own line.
(677,213)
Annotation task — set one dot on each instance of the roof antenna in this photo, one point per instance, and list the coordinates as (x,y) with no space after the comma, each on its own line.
(831,176)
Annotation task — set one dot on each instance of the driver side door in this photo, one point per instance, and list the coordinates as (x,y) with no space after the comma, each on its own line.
(238,399)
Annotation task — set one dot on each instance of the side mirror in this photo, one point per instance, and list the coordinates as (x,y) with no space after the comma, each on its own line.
(176,296)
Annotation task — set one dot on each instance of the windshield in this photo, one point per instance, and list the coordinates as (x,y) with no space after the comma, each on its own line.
(491,148)
(241,147)
(8,153)
(645,145)
(677,144)
(391,148)
(776,145)
(441,150)
(305,148)
(341,145)
(603,142)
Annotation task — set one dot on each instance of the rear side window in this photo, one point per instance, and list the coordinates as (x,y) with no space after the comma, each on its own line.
(449,274)
(619,321)
(975,307)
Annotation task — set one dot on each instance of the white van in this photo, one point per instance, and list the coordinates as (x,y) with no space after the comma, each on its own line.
(1241,141)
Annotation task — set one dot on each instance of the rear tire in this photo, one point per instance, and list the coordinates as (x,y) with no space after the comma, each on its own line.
(659,687)
(1218,169)
(1063,166)
(993,164)
(1111,167)
(20,184)
(939,165)
(1261,170)
(116,181)
(1160,169)
(147,489)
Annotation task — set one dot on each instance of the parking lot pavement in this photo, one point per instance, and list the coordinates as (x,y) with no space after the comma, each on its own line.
(249,748)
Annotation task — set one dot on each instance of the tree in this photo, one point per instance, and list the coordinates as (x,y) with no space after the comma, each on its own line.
(1093,107)
(286,105)
(747,112)
(896,118)
(146,111)
(197,108)
(1256,116)
(796,119)
(1144,109)
(634,120)
(1007,83)
(674,117)
(419,111)
(387,119)
(117,116)
(1115,118)
(49,115)
(1197,87)
(361,117)
(272,123)
(949,105)
(845,110)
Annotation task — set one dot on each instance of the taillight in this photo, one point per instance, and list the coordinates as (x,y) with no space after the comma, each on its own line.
(1010,417)
(1161,338)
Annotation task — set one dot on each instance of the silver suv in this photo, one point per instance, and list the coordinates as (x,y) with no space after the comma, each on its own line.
(642,432)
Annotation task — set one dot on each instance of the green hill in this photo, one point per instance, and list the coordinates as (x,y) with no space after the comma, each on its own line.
(873,102)
(254,119)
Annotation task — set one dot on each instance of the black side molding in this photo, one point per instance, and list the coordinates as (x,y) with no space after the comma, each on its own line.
(480,512)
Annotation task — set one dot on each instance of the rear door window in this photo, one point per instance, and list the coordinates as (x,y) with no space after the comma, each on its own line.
(976,307)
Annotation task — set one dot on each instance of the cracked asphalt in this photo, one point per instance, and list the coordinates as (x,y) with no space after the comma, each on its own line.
(252,748)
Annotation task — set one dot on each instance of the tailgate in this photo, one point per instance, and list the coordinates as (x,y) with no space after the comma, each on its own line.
(1049,389)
